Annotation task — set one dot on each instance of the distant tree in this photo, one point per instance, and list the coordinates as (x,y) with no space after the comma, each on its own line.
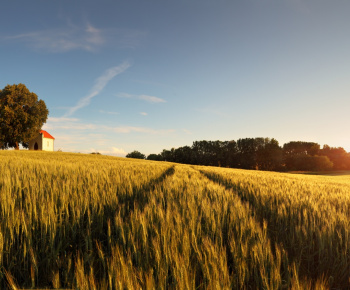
(322,163)
(231,155)
(301,147)
(311,163)
(295,151)
(268,154)
(339,157)
(21,116)
(259,153)
(218,153)
(247,153)
(135,154)
(168,155)
(155,157)
(184,155)
(209,153)
(199,149)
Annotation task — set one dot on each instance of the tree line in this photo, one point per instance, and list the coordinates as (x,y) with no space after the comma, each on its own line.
(256,153)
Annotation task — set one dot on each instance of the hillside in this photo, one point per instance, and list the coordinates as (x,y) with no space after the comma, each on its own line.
(99,222)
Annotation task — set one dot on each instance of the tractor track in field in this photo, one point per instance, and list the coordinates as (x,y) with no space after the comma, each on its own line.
(279,228)
(140,195)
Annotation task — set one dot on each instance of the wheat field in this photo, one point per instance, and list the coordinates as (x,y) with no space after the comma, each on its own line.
(77,221)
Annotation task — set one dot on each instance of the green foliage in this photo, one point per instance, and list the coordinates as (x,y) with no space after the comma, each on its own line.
(168,155)
(260,153)
(309,163)
(155,157)
(268,154)
(338,156)
(135,154)
(21,116)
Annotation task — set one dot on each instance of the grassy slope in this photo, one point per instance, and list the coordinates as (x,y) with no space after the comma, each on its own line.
(90,221)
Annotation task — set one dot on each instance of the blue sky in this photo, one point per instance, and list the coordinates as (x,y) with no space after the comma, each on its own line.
(119,76)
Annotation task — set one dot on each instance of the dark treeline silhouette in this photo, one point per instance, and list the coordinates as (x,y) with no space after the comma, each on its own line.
(259,153)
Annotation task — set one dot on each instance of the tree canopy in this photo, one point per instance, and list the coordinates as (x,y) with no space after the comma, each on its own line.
(21,116)
(136,154)
(259,153)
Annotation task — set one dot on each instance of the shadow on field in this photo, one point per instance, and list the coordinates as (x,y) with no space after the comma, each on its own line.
(76,243)
(139,196)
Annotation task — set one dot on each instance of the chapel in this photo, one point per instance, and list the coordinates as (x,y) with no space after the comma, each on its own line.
(44,141)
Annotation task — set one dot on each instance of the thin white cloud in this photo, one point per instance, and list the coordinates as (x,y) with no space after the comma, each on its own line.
(125,95)
(72,125)
(147,98)
(130,129)
(47,127)
(100,83)
(72,135)
(143,113)
(118,151)
(211,111)
(70,37)
(64,39)
(108,113)
(61,119)
(151,99)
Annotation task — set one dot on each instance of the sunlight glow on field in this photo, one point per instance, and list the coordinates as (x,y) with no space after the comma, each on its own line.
(99,222)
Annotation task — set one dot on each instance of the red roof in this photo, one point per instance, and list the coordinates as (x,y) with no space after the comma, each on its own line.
(46,135)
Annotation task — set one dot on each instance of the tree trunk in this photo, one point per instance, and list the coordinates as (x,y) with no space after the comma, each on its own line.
(17,146)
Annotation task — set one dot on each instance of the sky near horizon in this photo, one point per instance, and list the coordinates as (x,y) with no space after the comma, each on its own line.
(119,76)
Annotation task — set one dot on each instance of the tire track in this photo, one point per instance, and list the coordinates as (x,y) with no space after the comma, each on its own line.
(300,245)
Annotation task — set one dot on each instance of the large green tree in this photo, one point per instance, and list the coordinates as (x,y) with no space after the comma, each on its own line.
(21,116)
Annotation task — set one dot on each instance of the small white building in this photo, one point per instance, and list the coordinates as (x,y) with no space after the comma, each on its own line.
(44,142)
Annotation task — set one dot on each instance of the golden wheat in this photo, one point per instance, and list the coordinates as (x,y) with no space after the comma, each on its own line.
(98,222)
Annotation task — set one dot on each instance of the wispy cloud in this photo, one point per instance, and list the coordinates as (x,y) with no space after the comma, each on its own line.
(118,151)
(77,37)
(69,126)
(125,95)
(72,125)
(147,98)
(61,119)
(143,113)
(100,83)
(73,135)
(55,40)
(212,111)
(151,99)
(130,129)
(109,113)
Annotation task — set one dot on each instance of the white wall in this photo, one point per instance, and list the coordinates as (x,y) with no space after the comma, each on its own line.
(47,144)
